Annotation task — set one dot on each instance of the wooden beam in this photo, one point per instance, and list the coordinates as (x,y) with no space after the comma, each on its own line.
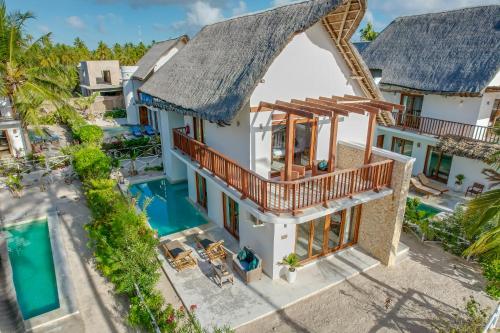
(322,106)
(363,106)
(334,128)
(344,17)
(348,108)
(307,107)
(289,146)
(337,107)
(369,137)
(395,106)
(295,111)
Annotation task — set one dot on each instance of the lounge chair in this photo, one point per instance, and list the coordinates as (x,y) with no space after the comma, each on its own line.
(213,250)
(475,189)
(149,130)
(136,131)
(432,183)
(422,188)
(52,137)
(179,257)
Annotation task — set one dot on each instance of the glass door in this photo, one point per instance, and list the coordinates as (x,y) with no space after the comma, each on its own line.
(437,164)
(305,135)
(198,130)
(231,215)
(201,191)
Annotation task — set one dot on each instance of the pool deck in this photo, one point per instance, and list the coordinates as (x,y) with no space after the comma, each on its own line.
(447,201)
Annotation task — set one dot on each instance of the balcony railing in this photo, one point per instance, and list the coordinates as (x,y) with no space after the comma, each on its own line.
(438,127)
(285,196)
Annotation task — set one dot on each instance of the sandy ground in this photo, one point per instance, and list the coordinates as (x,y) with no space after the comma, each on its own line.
(405,298)
(100,309)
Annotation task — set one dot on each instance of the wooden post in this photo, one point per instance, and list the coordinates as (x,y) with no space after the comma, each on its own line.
(369,137)
(289,146)
(334,128)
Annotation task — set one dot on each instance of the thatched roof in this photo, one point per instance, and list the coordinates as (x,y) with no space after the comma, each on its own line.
(147,63)
(214,75)
(469,148)
(361,46)
(448,52)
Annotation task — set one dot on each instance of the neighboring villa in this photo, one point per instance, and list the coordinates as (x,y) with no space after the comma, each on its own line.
(444,67)
(151,62)
(12,140)
(101,76)
(250,118)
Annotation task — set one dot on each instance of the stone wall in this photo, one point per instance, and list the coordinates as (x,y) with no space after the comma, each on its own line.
(382,219)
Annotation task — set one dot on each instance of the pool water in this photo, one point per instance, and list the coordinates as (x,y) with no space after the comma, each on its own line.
(429,210)
(30,255)
(110,132)
(170,210)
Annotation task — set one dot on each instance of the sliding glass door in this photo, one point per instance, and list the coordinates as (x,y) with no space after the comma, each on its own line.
(231,216)
(327,234)
(437,164)
(201,191)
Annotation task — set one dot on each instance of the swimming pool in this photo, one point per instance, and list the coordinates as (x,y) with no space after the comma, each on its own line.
(428,209)
(110,132)
(30,255)
(170,210)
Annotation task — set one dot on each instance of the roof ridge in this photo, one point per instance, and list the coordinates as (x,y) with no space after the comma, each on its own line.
(443,11)
(170,39)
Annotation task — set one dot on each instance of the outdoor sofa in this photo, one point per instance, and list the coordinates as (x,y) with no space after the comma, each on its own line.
(248,265)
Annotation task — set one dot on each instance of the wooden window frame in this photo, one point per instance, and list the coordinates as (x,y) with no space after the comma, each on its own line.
(403,143)
(380,141)
(230,225)
(341,245)
(195,129)
(314,140)
(409,109)
(427,160)
(204,181)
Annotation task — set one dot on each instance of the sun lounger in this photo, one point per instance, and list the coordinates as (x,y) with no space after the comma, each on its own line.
(213,250)
(179,257)
(422,188)
(432,183)
(149,130)
(52,137)
(136,131)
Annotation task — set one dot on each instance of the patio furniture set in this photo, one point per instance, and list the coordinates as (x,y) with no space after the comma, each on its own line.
(246,263)
(431,187)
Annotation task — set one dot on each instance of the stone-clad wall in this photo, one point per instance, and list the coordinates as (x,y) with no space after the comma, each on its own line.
(382,219)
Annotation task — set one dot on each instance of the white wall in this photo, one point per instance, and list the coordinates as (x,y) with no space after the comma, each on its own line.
(128,93)
(309,66)
(496,81)
(452,108)
(16,142)
(470,168)
(174,169)
(486,107)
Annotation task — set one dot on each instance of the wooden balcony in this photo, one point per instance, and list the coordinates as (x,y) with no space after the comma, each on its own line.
(285,196)
(438,127)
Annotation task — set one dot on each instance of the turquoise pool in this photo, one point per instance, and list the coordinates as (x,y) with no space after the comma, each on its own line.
(30,255)
(170,210)
(429,210)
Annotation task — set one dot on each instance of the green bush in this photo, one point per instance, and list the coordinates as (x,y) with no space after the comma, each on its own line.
(90,134)
(473,321)
(491,271)
(116,113)
(91,163)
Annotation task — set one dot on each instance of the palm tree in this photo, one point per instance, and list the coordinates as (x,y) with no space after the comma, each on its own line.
(368,34)
(23,80)
(483,214)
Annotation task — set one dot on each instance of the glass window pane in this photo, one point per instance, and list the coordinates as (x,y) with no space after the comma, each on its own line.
(350,226)
(334,233)
(302,149)
(278,147)
(319,229)
(302,241)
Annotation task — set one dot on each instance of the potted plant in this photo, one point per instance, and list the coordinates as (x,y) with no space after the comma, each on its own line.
(292,261)
(459,180)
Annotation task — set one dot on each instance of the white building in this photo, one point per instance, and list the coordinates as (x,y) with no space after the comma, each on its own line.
(12,140)
(151,62)
(246,112)
(444,67)
(101,76)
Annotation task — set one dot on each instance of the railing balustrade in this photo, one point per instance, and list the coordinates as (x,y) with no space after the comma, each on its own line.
(438,127)
(285,196)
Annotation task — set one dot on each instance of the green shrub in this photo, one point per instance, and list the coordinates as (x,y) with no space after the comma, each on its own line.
(473,321)
(136,142)
(90,134)
(116,113)
(91,163)
(491,271)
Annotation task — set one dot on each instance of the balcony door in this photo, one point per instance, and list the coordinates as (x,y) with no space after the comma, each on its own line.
(413,110)
(231,215)
(143,115)
(327,234)
(198,131)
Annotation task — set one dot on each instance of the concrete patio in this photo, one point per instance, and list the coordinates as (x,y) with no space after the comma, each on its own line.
(238,304)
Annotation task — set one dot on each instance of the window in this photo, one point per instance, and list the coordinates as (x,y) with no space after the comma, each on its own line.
(495,113)
(231,215)
(198,130)
(106,76)
(402,146)
(201,191)
(437,164)
(412,103)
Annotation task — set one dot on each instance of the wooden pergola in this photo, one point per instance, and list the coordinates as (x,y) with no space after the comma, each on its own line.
(332,107)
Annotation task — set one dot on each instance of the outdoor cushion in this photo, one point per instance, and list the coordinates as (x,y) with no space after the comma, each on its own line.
(242,255)
(253,264)
(323,165)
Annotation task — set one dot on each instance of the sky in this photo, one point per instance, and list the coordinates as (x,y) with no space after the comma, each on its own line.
(120,21)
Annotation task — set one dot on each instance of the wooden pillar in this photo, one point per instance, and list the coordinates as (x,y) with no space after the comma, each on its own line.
(289,146)
(369,137)
(334,129)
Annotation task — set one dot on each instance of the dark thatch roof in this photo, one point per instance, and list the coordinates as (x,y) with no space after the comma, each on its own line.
(469,148)
(448,52)
(214,75)
(361,46)
(148,61)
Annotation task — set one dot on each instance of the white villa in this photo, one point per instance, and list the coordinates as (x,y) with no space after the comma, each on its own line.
(12,140)
(270,118)
(444,68)
(134,76)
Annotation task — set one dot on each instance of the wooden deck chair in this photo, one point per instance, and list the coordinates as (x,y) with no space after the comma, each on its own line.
(214,250)
(432,183)
(422,188)
(179,257)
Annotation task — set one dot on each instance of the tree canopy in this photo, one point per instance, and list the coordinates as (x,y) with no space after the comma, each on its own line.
(368,34)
